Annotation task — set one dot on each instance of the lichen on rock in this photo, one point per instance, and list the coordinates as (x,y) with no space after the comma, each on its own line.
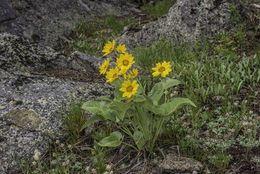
(26,119)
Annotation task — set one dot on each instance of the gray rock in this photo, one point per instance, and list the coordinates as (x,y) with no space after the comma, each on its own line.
(46,21)
(110,7)
(6,12)
(186,21)
(18,54)
(96,61)
(173,164)
(93,60)
(32,103)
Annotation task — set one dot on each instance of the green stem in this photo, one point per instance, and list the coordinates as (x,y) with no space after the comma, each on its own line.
(143,122)
(158,125)
(131,146)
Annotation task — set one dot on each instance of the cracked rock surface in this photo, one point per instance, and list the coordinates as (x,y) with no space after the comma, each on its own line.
(31,103)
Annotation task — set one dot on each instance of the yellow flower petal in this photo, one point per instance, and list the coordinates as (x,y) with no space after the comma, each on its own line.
(109,47)
(121,49)
(131,74)
(104,66)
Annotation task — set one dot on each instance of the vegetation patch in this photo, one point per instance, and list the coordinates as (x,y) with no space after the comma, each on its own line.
(90,37)
(223,81)
(159,9)
(74,119)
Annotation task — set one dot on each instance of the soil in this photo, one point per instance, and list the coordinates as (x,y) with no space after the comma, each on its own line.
(73,75)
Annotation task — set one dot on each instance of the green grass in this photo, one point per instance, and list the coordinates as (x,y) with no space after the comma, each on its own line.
(159,9)
(91,37)
(74,119)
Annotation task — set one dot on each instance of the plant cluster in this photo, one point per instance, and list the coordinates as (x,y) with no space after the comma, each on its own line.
(133,112)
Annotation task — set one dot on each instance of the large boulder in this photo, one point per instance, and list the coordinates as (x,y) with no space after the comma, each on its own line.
(186,21)
(35,84)
(46,21)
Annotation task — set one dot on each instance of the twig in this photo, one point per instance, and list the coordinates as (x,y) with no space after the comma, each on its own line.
(161,151)
(84,5)
(255,5)
(120,160)
(133,167)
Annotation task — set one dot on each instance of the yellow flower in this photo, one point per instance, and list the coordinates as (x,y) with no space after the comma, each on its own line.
(132,74)
(121,49)
(104,66)
(124,62)
(162,69)
(109,47)
(112,74)
(129,88)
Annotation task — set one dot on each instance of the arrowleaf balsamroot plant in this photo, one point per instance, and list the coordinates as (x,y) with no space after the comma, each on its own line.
(132,111)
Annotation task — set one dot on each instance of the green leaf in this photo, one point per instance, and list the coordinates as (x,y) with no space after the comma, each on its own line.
(140,89)
(158,89)
(104,98)
(113,140)
(139,139)
(118,95)
(92,120)
(168,108)
(138,98)
(95,107)
(99,108)
(117,83)
(120,108)
(170,83)
(156,93)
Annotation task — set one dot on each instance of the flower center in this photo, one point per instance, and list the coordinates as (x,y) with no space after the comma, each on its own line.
(161,69)
(115,75)
(125,62)
(129,89)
